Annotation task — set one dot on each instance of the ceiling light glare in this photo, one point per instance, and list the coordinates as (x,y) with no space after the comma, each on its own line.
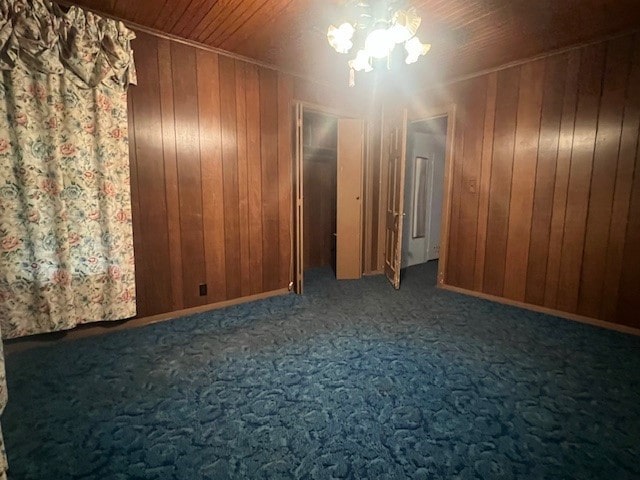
(379,43)
(374,32)
(399,34)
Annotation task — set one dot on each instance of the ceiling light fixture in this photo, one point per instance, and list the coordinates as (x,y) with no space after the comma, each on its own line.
(378,27)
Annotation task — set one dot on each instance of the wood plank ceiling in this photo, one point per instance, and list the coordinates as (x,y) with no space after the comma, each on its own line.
(467,35)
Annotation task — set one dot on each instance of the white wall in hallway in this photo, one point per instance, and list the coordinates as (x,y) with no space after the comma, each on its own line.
(430,146)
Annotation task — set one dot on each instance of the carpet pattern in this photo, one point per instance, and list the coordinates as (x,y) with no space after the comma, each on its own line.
(351,380)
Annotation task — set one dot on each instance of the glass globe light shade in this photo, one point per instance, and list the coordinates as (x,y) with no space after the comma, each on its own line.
(362,62)
(340,37)
(415,48)
(405,24)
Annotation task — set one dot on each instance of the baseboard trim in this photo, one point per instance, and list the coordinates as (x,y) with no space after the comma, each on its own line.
(549,311)
(161,317)
(93,329)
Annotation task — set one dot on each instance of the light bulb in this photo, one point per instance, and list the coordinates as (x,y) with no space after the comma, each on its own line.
(379,43)
(415,48)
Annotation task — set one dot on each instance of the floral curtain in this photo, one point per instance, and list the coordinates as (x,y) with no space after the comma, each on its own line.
(66,251)
(66,246)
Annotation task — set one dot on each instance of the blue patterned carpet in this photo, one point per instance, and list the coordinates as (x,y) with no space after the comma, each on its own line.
(352,380)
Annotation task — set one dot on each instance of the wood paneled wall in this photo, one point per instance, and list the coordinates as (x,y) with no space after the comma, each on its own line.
(545,201)
(545,204)
(210,146)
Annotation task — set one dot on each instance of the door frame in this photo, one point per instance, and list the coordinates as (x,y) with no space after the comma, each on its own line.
(449,111)
(297,247)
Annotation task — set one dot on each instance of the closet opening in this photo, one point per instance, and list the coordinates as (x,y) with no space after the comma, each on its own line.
(319,157)
(328,176)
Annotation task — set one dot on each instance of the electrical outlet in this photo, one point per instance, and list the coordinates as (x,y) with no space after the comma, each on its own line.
(203,289)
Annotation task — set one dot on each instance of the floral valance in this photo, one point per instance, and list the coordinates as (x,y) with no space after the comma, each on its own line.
(40,35)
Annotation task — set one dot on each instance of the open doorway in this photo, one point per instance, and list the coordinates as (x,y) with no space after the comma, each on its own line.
(319,157)
(424,190)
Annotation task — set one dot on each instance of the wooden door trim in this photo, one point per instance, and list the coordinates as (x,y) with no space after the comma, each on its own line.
(393,242)
(426,114)
(333,112)
(367,195)
(382,200)
(298,211)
